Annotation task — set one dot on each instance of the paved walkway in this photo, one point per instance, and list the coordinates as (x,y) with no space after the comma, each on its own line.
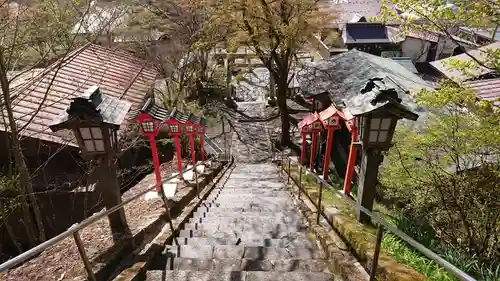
(248,228)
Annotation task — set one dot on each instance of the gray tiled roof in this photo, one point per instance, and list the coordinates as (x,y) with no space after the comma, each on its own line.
(453,73)
(344,75)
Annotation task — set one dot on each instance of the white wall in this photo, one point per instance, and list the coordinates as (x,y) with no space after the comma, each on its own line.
(417,49)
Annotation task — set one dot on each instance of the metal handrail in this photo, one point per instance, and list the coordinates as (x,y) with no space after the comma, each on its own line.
(73,230)
(381,225)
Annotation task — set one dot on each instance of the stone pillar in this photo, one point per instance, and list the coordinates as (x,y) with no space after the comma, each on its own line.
(370,162)
(110,189)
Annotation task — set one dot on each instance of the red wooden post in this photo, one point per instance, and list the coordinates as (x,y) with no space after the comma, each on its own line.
(179,156)
(303,150)
(156,161)
(202,135)
(191,145)
(313,150)
(351,162)
(326,160)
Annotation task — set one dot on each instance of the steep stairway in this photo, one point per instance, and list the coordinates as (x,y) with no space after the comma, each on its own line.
(247,229)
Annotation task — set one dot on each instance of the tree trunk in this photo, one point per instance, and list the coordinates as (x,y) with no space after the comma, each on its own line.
(20,164)
(10,232)
(285,120)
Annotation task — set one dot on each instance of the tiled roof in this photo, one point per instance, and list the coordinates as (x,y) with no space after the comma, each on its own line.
(155,111)
(480,54)
(487,89)
(344,75)
(117,73)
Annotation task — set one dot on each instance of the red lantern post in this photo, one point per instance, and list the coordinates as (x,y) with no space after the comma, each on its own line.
(190,131)
(330,118)
(176,122)
(150,121)
(304,131)
(310,124)
(351,161)
(150,128)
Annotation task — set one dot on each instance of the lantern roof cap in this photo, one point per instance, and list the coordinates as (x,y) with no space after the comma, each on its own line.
(308,120)
(93,106)
(154,110)
(379,94)
(178,116)
(197,120)
(344,113)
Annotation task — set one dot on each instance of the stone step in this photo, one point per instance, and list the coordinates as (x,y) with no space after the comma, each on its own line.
(259,242)
(245,212)
(207,252)
(281,265)
(289,220)
(222,207)
(249,196)
(244,208)
(241,203)
(256,191)
(253,183)
(191,275)
(255,199)
(247,234)
(244,226)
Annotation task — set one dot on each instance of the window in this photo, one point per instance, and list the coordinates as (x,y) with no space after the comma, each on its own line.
(92,139)
(379,130)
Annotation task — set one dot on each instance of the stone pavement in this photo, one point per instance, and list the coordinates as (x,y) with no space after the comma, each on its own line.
(248,227)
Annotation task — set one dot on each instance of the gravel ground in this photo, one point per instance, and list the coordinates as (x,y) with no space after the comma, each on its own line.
(63,261)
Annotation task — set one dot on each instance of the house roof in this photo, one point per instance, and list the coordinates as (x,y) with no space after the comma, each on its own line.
(117,73)
(344,75)
(487,89)
(346,10)
(367,32)
(455,74)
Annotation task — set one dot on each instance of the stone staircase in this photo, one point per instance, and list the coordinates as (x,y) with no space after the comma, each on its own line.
(247,229)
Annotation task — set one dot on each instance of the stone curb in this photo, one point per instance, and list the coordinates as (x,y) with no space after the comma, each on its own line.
(388,268)
(142,259)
